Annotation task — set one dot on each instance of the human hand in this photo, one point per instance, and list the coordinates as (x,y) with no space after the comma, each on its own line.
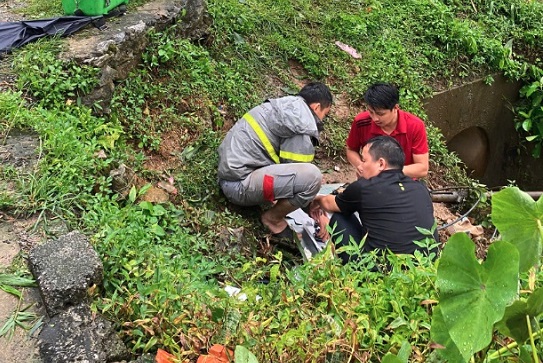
(315,212)
(314,206)
(322,221)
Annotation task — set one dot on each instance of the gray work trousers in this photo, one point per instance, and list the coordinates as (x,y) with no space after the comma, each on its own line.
(299,183)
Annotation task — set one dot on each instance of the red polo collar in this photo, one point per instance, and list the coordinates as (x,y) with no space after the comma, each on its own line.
(401,126)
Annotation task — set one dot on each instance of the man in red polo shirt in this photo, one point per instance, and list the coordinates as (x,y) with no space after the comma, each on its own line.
(384,117)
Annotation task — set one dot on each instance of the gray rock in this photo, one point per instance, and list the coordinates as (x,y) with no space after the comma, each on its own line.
(196,22)
(122,180)
(64,269)
(78,335)
(19,149)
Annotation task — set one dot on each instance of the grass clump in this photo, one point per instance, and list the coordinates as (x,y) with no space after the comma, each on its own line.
(166,264)
(50,80)
(180,86)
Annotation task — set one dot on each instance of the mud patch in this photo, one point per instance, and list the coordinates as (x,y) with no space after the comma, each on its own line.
(20,346)
(335,170)
(10,10)
(20,150)
(18,154)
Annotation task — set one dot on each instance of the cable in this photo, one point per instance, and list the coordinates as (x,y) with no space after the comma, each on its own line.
(480,196)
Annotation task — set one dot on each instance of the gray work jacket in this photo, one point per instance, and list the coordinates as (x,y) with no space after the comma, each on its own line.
(277,131)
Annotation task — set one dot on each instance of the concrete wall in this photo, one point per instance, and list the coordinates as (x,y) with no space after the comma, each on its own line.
(477,122)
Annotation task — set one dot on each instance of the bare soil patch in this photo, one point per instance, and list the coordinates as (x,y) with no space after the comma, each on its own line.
(10,10)
(19,347)
(18,150)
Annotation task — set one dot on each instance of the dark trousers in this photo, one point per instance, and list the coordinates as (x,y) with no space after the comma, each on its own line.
(344,228)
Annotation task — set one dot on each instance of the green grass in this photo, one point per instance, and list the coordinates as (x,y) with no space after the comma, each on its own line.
(53,82)
(165,265)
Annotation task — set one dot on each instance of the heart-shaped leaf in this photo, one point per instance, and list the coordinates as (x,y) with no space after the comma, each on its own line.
(473,296)
(535,303)
(514,323)
(519,220)
(440,334)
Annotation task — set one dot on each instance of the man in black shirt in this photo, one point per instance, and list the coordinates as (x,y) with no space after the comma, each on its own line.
(390,205)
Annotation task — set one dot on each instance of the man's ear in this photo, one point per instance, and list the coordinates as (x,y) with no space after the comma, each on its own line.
(314,106)
(382,164)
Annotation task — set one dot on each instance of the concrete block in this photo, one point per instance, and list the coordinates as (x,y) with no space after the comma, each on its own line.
(78,335)
(64,269)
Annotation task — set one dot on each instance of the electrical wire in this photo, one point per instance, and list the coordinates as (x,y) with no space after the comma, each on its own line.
(479,197)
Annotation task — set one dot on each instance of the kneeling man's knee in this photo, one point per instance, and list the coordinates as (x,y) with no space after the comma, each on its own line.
(311,178)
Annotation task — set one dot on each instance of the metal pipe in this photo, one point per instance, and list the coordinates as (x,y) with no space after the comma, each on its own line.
(445,197)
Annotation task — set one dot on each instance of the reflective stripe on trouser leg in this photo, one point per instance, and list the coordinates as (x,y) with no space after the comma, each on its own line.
(267,188)
(297,182)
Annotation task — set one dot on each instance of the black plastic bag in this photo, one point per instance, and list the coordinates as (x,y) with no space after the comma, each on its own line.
(17,34)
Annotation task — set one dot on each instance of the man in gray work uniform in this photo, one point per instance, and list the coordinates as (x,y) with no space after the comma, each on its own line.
(266,156)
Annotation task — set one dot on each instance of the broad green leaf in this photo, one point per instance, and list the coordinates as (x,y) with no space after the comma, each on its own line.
(514,323)
(536,101)
(391,358)
(535,302)
(518,218)
(527,125)
(531,88)
(243,355)
(217,314)
(473,296)
(440,334)
(274,273)
(145,205)
(159,210)
(108,141)
(158,230)
(405,352)
(525,354)
(144,189)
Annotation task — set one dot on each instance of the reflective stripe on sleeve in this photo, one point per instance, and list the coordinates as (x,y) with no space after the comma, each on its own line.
(303,158)
(262,136)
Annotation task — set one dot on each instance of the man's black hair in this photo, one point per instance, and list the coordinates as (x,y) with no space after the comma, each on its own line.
(388,148)
(316,92)
(382,96)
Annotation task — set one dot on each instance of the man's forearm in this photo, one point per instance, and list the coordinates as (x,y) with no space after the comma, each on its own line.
(327,203)
(419,168)
(415,171)
(353,157)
